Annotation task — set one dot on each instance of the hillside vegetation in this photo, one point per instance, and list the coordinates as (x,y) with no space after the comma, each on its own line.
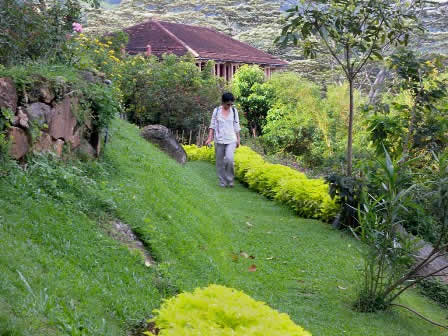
(62,274)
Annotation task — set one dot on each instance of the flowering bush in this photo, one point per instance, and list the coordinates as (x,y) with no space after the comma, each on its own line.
(90,53)
(308,197)
(220,311)
(34,29)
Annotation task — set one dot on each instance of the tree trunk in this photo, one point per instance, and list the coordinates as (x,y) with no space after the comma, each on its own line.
(350,131)
(377,85)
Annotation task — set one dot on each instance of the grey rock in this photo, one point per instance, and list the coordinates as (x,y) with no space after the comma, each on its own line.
(39,113)
(161,137)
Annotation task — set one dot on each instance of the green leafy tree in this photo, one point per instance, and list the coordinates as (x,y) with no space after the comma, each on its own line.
(172,92)
(253,95)
(290,123)
(352,32)
(415,119)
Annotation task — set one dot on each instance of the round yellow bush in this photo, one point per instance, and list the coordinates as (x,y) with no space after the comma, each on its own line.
(221,311)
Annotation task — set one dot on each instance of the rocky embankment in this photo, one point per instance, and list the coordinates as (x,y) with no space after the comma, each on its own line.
(47,116)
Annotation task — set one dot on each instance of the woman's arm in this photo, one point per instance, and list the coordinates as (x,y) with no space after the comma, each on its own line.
(211,133)
(236,127)
(211,129)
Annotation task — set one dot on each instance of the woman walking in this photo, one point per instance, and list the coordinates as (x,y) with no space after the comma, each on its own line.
(225,130)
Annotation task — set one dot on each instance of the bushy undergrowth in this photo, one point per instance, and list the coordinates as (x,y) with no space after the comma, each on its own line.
(308,197)
(436,290)
(220,311)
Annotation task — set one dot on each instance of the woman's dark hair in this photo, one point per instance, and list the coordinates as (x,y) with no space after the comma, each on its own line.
(228,97)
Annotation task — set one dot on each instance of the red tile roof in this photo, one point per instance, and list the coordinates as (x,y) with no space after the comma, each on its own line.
(203,43)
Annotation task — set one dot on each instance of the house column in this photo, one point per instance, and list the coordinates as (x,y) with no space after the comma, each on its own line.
(267,72)
(225,71)
(230,71)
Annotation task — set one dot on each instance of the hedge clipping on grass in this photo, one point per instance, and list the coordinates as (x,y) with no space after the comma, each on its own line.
(221,311)
(308,197)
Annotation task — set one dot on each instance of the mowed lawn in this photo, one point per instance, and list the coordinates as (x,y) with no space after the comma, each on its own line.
(201,234)
(61,274)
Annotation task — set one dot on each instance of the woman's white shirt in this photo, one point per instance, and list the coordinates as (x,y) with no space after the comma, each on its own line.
(225,128)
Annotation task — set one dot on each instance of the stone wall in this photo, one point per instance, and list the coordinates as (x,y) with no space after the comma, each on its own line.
(46,119)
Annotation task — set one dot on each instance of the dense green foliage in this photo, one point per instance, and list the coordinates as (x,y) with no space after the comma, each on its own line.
(307,124)
(253,95)
(218,310)
(413,120)
(308,197)
(35,30)
(389,264)
(436,290)
(353,32)
(174,93)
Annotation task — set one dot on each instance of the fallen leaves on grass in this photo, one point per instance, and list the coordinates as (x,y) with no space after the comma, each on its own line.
(245,255)
(252,268)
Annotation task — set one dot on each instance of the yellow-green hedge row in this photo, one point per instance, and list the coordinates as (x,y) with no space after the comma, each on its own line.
(308,197)
(221,311)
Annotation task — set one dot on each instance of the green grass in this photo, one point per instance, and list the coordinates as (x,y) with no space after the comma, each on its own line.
(60,274)
(194,229)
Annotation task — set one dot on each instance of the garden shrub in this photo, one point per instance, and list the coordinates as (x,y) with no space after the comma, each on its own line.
(171,91)
(308,197)
(221,311)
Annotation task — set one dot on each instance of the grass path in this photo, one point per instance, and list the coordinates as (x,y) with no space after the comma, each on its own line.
(197,230)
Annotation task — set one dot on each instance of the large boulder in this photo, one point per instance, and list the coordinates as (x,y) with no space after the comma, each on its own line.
(162,138)
(39,113)
(19,142)
(63,121)
(8,94)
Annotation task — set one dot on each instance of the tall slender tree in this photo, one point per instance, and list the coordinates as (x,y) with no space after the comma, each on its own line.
(352,32)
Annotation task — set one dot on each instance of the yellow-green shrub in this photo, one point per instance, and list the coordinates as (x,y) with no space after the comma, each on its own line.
(308,197)
(203,153)
(221,311)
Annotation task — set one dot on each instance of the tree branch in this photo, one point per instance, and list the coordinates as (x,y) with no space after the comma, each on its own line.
(363,62)
(420,315)
(416,282)
(332,52)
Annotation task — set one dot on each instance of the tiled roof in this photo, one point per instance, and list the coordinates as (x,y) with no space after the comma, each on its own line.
(203,43)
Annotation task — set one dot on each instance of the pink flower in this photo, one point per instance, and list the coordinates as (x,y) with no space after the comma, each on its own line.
(77,27)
